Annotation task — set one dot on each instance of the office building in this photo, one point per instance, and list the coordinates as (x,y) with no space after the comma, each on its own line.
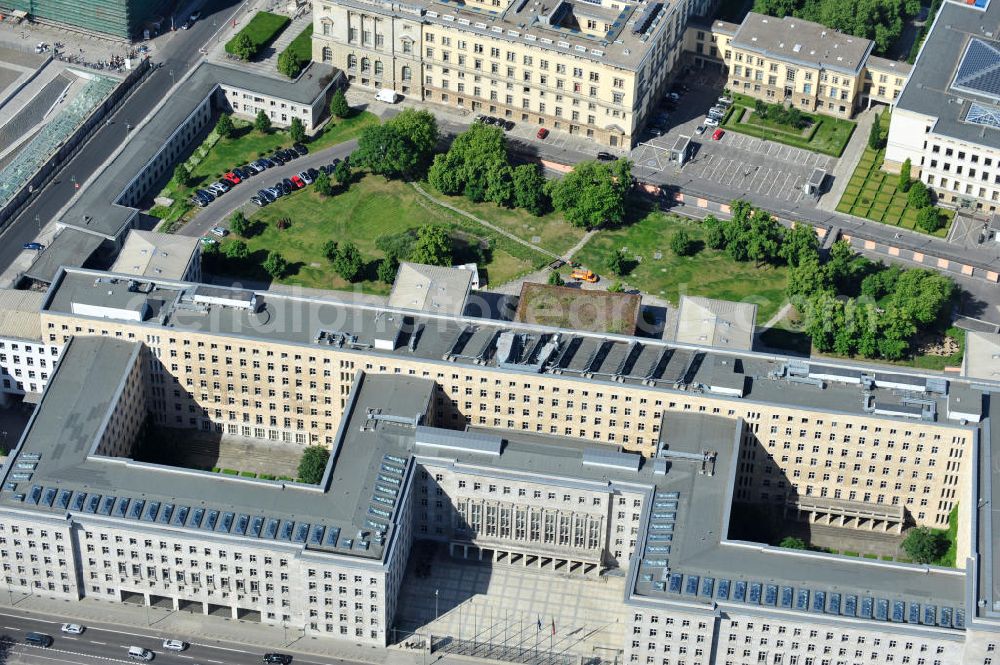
(594,69)
(122,19)
(167,255)
(25,362)
(947,119)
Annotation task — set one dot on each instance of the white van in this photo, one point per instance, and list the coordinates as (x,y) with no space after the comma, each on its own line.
(386,95)
(138,653)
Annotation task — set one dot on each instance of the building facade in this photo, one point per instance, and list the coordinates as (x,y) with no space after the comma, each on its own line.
(594,69)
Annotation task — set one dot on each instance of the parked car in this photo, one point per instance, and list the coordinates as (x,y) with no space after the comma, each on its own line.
(289,155)
(277,659)
(275,193)
(72,629)
(265,195)
(232,177)
(724,102)
(203,197)
(219,231)
(138,653)
(508,125)
(655,131)
(674,96)
(284,186)
(710,122)
(175,645)
(186,25)
(312,173)
(220,187)
(276,160)
(699,130)
(37,246)
(301,149)
(542,133)
(209,241)
(298,182)
(258,201)
(718,134)
(306,178)
(289,185)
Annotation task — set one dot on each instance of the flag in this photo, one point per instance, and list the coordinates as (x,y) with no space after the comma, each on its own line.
(539,624)
(553,626)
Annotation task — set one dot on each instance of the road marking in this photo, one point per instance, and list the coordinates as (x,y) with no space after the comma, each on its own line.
(212,661)
(96,642)
(11,628)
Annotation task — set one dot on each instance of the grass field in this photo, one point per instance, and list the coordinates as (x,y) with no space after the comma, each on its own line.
(826,135)
(301,47)
(553,232)
(262,29)
(708,273)
(370,208)
(216,156)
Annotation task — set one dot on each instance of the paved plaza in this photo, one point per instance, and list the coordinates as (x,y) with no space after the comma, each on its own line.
(514,608)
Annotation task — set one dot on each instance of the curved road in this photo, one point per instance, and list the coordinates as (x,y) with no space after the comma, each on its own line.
(179,52)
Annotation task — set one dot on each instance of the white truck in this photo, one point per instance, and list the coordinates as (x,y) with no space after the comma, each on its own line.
(387,95)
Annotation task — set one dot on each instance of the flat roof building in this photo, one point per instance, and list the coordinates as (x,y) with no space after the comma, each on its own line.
(711,322)
(166,255)
(437,289)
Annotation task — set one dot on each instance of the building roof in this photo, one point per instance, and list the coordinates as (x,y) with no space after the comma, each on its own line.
(20,314)
(429,288)
(953,90)
(982,355)
(884,64)
(71,248)
(153,254)
(96,209)
(792,39)
(719,323)
(578,309)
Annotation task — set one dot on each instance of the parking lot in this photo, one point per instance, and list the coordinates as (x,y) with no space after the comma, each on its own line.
(733,165)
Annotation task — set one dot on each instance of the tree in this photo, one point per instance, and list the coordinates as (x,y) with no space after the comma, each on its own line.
(288,64)
(433,246)
(529,188)
(262,123)
(312,464)
(875,135)
(799,243)
(384,151)
(924,545)
(616,287)
(242,47)
(275,265)
(338,104)
(297,130)
(346,259)
(593,193)
(182,175)
(806,279)
(617,263)
(930,219)
(387,269)
(236,250)
(682,244)
(239,224)
(224,127)
(419,129)
(555,279)
(715,232)
(500,183)
(919,196)
(323,184)
(924,294)
(904,175)
(792,543)
(342,173)
(764,238)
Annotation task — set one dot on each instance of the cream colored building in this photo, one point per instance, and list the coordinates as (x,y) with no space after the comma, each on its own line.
(594,69)
(800,63)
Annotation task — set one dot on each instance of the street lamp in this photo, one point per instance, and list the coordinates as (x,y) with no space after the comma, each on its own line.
(435,604)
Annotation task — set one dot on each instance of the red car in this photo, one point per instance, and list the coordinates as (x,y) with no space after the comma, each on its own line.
(298,182)
(232,177)
(718,134)
(542,132)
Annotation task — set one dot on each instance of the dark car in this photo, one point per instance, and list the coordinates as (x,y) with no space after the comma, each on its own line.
(247,171)
(289,185)
(302,150)
(266,195)
(289,155)
(277,191)
(606,157)
(265,162)
(204,194)
(276,159)
(43,640)
(37,246)
(258,201)
(508,125)
(277,658)
(327,169)
(312,173)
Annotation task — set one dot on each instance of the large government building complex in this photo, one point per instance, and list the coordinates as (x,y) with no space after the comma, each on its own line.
(575,454)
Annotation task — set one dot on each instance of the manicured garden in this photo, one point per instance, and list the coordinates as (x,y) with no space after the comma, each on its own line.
(297,54)
(370,208)
(262,29)
(655,269)
(822,134)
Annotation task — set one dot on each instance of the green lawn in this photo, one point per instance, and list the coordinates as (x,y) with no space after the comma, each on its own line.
(301,47)
(554,232)
(370,208)
(826,135)
(874,194)
(215,156)
(262,29)
(708,273)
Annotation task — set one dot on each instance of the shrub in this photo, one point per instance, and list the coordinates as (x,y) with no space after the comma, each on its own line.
(792,543)
(224,127)
(313,464)
(555,278)
(265,476)
(216,469)
(338,105)
(924,545)
(930,219)
(919,196)
(230,472)
(297,54)
(682,244)
(247,474)
(262,29)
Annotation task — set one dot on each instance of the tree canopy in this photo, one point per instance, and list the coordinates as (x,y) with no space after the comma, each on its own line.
(878,20)
(346,259)
(262,123)
(338,104)
(224,127)
(275,265)
(297,130)
(924,545)
(593,193)
(400,147)
(433,246)
(312,464)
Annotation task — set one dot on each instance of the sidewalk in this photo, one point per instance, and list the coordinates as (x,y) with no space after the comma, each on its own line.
(845,165)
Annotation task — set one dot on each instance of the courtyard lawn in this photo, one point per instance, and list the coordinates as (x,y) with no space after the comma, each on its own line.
(551,231)
(370,208)
(874,194)
(826,135)
(215,156)
(708,273)
(301,47)
(262,29)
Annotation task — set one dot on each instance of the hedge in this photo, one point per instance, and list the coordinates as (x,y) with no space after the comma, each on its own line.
(262,29)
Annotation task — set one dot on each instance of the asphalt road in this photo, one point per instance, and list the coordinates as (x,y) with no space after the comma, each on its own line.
(179,53)
(100,643)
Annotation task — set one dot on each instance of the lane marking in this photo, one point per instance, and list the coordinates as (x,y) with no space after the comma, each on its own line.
(103,644)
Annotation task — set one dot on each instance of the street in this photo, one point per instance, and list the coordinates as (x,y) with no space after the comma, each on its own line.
(179,51)
(101,643)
